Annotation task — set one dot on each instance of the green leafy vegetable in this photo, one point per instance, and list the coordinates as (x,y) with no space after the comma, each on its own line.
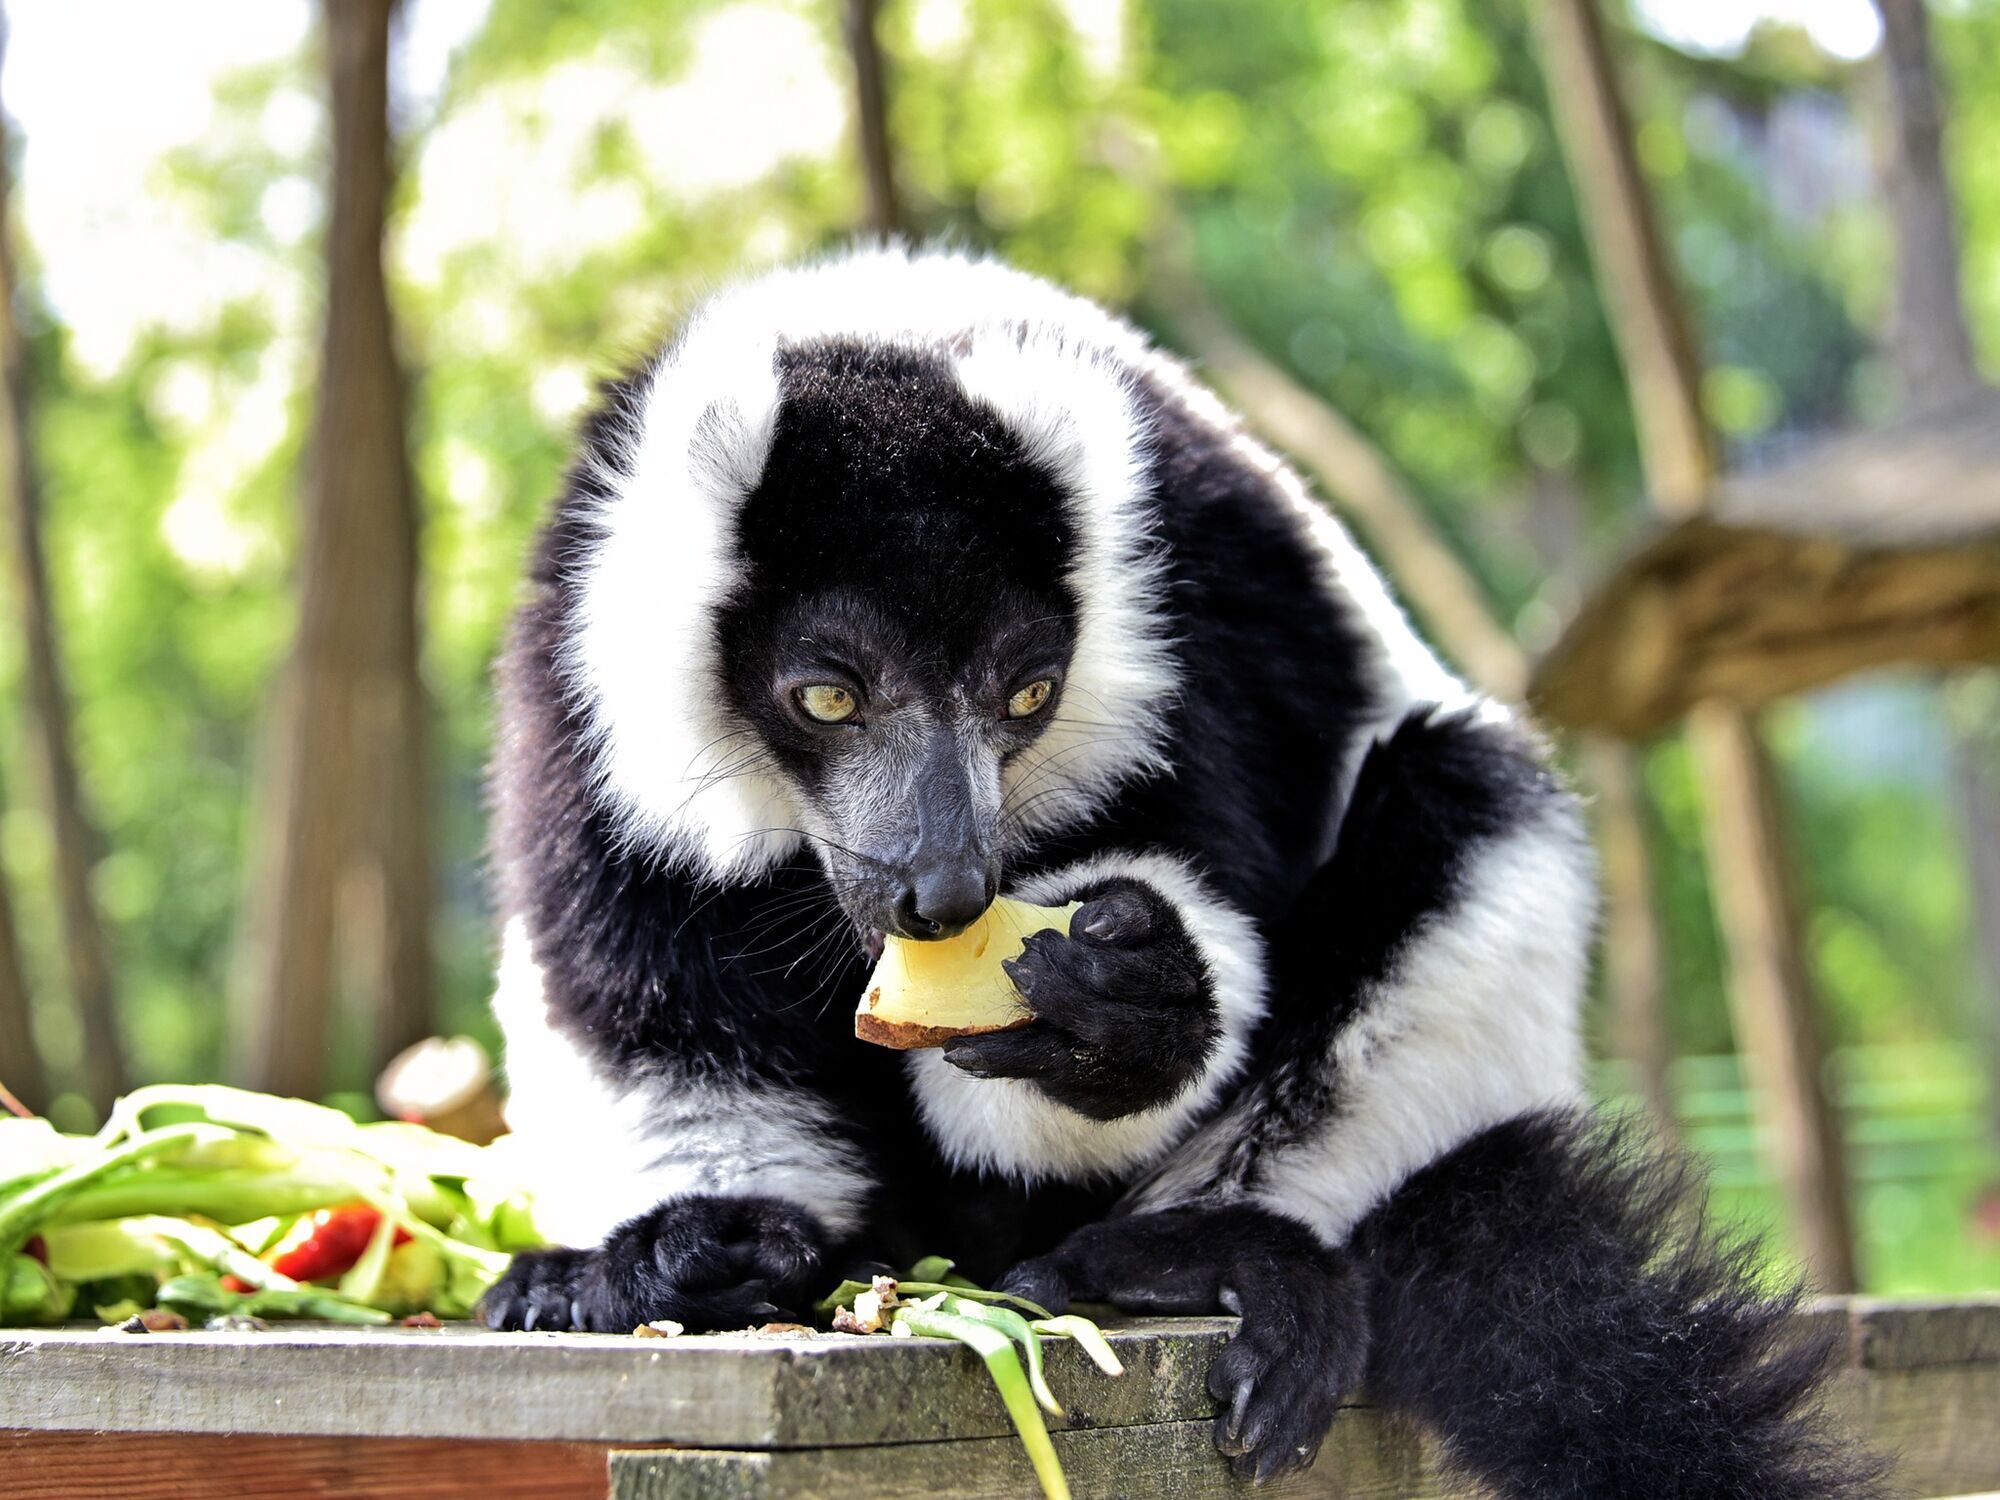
(997,1350)
(189,1194)
(932,1302)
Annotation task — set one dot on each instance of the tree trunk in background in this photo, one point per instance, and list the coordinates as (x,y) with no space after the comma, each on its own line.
(74,840)
(1929,337)
(346,809)
(1932,344)
(871,117)
(21,1071)
(1769,989)
(1975,732)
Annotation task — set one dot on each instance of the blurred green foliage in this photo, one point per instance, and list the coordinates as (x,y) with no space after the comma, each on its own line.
(1370,188)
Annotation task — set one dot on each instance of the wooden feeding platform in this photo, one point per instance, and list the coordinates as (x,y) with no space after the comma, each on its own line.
(458,1412)
(1869,550)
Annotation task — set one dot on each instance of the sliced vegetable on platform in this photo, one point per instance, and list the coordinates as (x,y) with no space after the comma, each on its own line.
(218,1202)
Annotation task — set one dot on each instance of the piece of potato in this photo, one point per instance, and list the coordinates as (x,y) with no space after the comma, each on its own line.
(923,994)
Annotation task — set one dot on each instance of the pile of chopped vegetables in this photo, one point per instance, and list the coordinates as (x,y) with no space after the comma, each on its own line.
(209,1206)
(931,1302)
(213,1203)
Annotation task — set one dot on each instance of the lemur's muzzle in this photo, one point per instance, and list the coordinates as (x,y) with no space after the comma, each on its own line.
(952,874)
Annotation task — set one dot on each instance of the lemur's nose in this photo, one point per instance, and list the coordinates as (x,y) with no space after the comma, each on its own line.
(944,901)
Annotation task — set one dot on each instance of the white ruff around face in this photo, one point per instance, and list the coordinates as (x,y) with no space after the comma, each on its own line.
(686,783)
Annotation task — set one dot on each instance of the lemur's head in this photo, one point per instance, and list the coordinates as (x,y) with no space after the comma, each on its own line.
(870,568)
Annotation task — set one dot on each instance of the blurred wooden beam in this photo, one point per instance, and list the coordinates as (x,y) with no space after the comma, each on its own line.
(1363,485)
(1641,293)
(871,116)
(343,832)
(1769,990)
(1871,549)
(73,837)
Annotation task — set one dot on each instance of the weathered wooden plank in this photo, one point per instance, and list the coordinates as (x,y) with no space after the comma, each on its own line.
(1923,1378)
(1940,1424)
(1904,1335)
(733,1391)
(1365,1458)
(99,1466)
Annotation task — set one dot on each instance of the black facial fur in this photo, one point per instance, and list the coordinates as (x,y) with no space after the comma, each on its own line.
(901,546)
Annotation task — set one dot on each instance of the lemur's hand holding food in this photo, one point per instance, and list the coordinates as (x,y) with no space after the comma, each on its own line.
(923,994)
(1123,1012)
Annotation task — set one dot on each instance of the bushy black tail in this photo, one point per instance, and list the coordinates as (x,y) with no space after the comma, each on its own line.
(1550,1302)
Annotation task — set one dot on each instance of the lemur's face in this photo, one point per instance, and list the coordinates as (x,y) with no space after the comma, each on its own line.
(904,635)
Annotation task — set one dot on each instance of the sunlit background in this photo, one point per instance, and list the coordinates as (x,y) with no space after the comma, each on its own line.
(1368,188)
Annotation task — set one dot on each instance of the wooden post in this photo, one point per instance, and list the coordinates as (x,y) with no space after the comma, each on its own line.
(1634,952)
(1362,484)
(1770,992)
(871,117)
(346,805)
(71,832)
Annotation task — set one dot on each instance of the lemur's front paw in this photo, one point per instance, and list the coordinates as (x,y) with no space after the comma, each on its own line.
(1124,1008)
(1303,1341)
(1299,1350)
(704,1262)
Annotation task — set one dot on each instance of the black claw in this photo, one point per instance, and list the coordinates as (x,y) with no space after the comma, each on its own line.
(968,1059)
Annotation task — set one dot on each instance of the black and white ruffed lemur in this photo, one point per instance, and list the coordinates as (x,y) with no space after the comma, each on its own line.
(902,580)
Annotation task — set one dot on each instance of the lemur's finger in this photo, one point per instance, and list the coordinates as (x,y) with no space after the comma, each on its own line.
(1032,1052)
(1055,971)
(1118,916)
(1044,1281)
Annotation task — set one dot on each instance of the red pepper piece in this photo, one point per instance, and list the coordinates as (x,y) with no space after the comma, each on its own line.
(236,1284)
(338,1237)
(36,1249)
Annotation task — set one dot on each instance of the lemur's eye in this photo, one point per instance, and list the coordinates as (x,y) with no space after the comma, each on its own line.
(827,703)
(1030,700)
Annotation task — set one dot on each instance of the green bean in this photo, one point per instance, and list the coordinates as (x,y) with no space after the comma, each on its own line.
(20,1214)
(957,1286)
(997,1350)
(1016,1328)
(1087,1336)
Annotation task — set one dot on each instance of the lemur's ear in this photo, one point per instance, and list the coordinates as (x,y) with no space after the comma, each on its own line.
(1071,408)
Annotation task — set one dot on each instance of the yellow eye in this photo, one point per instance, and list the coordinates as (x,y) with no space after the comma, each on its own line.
(827,703)
(1030,699)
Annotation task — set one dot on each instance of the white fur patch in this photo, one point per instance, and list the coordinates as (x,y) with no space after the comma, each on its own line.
(1477,1024)
(1054,367)
(688,781)
(1071,405)
(1008,1126)
(598,1151)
